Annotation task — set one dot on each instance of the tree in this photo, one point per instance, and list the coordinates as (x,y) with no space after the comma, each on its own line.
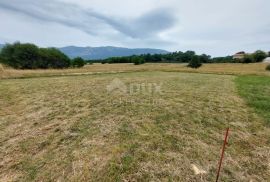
(227,59)
(187,56)
(156,58)
(195,62)
(78,62)
(53,58)
(259,56)
(29,56)
(137,60)
(248,59)
(204,58)
(148,58)
(20,56)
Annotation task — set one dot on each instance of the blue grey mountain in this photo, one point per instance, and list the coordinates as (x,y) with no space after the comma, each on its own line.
(95,53)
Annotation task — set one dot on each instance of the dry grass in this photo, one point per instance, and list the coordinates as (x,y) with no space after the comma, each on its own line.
(71,128)
(235,69)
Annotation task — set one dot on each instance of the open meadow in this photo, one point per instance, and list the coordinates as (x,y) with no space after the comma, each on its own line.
(120,122)
(221,68)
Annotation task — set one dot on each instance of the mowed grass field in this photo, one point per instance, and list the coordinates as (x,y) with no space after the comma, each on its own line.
(71,128)
(226,68)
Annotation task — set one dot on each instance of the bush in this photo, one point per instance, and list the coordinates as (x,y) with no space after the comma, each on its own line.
(138,60)
(21,56)
(53,58)
(268,67)
(195,62)
(78,62)
(248,59)
(259,56)
(205,58)
(227,59)
(29,56)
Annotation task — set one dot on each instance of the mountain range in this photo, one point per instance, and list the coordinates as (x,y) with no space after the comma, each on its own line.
(95,53)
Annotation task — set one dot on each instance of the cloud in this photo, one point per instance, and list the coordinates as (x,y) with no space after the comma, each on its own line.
(154,22)
(88,20)
(209,26)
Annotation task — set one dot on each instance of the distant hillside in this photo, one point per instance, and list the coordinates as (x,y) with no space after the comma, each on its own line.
(94,53)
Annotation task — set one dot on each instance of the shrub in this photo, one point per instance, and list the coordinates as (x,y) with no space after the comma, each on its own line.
(195,62)
(259,56)
(78,62)
(29,56)
(53,58)
(21,56)
(205,58)
(137,60)
(248,59)
(227,59)
(268,67)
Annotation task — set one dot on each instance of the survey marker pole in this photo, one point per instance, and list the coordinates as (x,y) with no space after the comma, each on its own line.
(222,153)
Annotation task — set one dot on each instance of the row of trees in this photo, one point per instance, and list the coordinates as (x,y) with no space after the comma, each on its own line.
(186,57)
(29,56)
(177,57)
(226,59)
(137,60)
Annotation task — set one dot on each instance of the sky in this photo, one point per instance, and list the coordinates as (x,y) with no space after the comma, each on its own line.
(214,27)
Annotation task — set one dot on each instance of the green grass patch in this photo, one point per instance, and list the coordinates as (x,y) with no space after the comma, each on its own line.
(256,91)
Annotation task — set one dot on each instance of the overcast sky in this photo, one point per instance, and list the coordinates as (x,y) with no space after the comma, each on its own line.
(215,27)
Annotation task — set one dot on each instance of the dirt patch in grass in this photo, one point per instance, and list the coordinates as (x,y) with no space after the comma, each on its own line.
(72,128)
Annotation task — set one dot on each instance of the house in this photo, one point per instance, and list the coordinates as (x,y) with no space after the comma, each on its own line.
(266,60)
(239,55)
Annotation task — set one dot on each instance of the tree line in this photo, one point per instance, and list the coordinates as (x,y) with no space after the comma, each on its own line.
(175,57)
(30,56)
(185,57)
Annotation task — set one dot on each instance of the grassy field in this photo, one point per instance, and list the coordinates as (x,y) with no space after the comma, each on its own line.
(233,69)
(256,91)
(72,128)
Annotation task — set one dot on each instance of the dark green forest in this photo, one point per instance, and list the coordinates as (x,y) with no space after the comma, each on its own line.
(175,57)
